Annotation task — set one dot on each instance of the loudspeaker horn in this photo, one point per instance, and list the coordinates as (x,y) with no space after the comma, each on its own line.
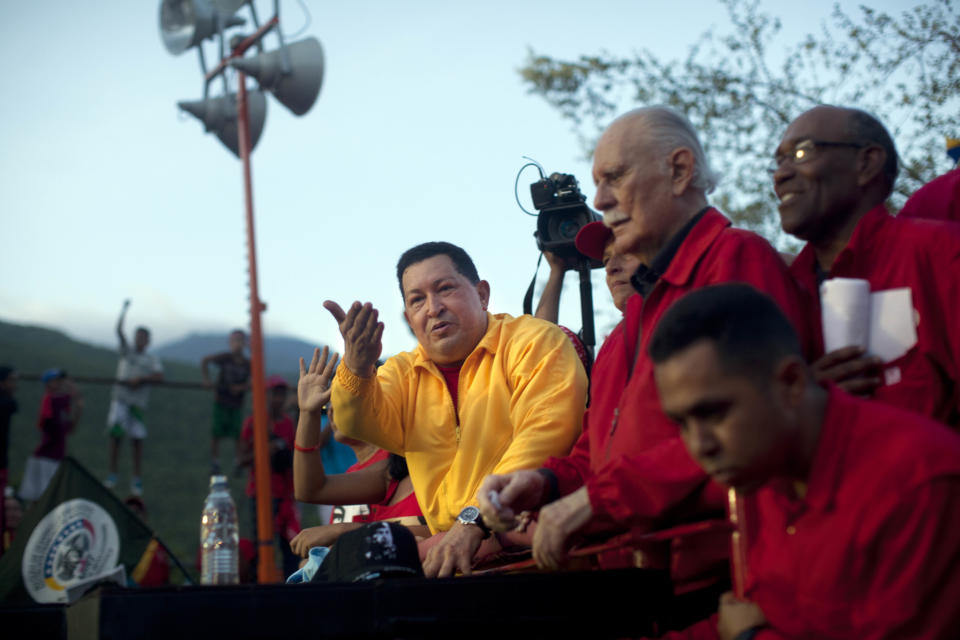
(185,23)
(299,87)
(228,7)
(219,116)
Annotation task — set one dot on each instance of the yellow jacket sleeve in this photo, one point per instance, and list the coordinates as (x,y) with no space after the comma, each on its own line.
(548,400)
(370,409)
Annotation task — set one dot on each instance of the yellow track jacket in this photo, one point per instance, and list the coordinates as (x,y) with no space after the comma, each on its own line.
(521,397)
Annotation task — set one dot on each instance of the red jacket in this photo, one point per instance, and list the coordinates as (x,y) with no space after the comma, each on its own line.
(872,551)
(939,199)
(923,255)
(630,455)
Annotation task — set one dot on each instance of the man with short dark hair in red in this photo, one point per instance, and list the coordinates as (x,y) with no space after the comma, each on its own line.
(852,526)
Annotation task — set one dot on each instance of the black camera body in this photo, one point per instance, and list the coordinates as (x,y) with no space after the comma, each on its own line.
(563,212)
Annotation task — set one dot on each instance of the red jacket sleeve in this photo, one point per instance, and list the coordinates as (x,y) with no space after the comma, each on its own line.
(948,289)
(644,486)
(915,588)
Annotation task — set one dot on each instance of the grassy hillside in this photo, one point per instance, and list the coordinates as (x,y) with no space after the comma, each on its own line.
(176,452)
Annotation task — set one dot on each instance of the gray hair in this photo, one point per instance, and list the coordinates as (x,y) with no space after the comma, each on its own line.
(867,129)
(666,129)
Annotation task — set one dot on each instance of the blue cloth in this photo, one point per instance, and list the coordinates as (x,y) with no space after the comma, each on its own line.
(307,571)
(336,457)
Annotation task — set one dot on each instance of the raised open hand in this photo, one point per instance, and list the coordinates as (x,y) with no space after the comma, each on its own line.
(362,335)
(313,387)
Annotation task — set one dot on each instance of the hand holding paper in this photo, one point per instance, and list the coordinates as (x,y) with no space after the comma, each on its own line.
(861,332)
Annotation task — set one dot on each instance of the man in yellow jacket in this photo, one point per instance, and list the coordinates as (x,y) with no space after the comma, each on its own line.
(482,393)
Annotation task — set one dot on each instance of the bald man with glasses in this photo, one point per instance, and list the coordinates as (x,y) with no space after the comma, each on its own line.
(833,170)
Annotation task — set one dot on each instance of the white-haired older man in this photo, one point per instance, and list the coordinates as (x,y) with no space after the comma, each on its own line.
(629,468)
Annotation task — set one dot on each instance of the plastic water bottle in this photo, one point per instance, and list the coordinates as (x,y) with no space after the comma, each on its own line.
(219,538)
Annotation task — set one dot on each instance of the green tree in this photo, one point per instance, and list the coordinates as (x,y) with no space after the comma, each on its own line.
(741,89)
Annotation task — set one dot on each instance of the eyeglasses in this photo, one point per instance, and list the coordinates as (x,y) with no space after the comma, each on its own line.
(807,150)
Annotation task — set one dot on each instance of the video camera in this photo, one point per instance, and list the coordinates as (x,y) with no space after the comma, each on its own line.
(563,212)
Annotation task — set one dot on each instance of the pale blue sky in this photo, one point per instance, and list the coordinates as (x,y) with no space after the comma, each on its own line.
(107,193)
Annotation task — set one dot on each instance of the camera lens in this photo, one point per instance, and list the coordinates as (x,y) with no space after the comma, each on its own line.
(568,228)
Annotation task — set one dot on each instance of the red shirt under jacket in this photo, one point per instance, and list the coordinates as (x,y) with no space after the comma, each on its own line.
(872,551)
(939,199)
(630,455)
(923,255)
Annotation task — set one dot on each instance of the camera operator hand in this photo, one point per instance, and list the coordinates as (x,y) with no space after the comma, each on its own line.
(362,336)
(558,263)
(549,306)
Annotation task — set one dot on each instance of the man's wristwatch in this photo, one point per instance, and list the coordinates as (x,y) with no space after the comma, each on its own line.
(471,515)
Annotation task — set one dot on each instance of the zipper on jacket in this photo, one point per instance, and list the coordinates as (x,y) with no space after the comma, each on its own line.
(443,381)
(613,428)
(639,344)
(456,413)
(633,362)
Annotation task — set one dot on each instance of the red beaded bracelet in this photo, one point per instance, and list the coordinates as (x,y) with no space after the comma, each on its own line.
(306,449)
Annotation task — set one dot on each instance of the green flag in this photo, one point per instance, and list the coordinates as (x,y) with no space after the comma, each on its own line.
(76,531)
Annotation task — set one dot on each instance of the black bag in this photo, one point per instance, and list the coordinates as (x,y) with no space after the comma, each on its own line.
(376,550)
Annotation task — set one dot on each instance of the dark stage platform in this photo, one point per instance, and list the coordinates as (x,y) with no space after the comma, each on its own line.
(592,604)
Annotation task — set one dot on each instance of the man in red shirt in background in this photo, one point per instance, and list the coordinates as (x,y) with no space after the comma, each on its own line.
(835,167)
(852,523)
(282,434)
(629,467)
(60,411)
(939,199)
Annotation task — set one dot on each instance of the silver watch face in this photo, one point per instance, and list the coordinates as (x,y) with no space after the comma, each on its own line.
(469,515)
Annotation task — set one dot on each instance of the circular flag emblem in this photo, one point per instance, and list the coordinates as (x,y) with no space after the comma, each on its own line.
(76,541)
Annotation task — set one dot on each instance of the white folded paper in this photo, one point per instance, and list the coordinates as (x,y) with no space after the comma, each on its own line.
(845,309)
(881,322)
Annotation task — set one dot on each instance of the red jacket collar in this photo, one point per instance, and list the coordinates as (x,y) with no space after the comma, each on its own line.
(829,458)
(694,246)
(863,239)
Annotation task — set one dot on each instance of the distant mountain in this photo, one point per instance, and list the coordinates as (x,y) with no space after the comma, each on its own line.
(281,353)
